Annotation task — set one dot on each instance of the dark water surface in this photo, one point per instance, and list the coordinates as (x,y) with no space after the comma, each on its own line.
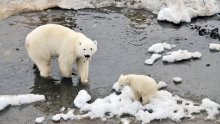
(123,36)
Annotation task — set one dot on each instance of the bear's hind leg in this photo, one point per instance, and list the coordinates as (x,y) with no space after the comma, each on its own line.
(44,68)
(41,59)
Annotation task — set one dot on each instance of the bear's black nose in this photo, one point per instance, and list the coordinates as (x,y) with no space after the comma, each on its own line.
(87,56)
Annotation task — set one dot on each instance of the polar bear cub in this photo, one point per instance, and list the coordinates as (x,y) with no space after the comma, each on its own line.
(52,40)
(142,86)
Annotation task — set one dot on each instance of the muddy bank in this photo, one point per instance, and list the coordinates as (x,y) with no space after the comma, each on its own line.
(123,36)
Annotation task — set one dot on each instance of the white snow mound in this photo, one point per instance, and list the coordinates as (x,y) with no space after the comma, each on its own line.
(162,106)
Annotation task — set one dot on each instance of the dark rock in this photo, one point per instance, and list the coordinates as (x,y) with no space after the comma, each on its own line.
(179,102)
(208,65)
(17,49)
(149,110)
(214,33)
(202,32)
(197,27)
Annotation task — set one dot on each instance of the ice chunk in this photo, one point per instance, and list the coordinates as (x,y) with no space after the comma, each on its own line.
(162,84)
(39,120)
(62,109)
(82,98)
(211,108)
(153,58)
(214,46)
(160,47)
(196,55)
(181,55)
(177,80)
(15,100)
(56,117)
(156,48)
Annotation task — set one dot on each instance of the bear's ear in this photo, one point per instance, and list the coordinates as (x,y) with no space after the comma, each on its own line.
(95,42)
(80,43)
(121,75)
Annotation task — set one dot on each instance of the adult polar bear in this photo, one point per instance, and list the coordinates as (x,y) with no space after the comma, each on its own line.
(52,40)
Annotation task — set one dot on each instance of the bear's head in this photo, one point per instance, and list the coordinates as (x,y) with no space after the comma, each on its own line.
(123,81)
(87,48)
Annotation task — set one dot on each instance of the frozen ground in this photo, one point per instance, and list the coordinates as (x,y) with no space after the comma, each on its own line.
(124,36)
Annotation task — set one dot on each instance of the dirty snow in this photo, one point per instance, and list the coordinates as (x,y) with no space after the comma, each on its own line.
(214,46)
(39,120)
(68,116)
(14,100)
(153,58)
(178,11)
(160,47)
(125,121)
(82,98)
(211,108)
(180,55)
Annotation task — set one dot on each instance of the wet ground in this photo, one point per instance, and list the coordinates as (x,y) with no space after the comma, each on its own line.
(123,36)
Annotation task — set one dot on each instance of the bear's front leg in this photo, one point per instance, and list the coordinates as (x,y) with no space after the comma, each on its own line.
(65,65)
(83,70)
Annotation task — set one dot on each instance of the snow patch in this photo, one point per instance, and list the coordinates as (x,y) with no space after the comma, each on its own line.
(82,98)
(14,100)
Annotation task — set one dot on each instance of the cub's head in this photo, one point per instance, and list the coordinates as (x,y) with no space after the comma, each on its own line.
(87,48)
(122,81)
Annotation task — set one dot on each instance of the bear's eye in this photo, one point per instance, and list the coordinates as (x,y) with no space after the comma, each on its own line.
(90,48)
(84,49)
(121,85)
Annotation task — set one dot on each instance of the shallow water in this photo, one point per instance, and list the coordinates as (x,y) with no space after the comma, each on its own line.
(123,36)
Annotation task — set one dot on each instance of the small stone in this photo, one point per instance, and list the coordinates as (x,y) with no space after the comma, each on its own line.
(208,65)
(17,49)
(179,102)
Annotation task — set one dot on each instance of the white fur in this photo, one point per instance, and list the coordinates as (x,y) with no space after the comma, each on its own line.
(53,40)
(142,86)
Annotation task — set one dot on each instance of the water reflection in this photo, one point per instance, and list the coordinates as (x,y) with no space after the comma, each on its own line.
(58,93)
